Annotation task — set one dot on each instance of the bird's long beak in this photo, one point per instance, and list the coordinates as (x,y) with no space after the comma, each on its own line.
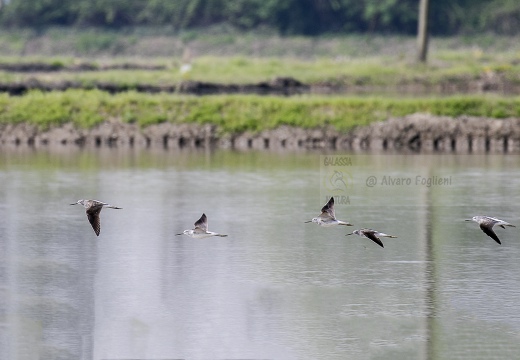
(179,234)
(307,221)
(468,220)
(349,234)
(75,204)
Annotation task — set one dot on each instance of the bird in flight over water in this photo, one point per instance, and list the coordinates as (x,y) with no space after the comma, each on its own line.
(92,209)
(328,217)
(486,225)
(372,235)
(201,229)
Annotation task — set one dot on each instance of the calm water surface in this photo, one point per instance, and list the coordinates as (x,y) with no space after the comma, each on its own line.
(276,287)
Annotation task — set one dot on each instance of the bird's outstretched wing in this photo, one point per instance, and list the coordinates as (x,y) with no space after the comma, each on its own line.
(489,232)
(93,218)
(202,223)
(372,236)
(328,209)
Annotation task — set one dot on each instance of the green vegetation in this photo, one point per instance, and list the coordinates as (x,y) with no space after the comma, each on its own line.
(373,63)
(293,17)
(103,44)
(446,66)
(250,58)
(235,113)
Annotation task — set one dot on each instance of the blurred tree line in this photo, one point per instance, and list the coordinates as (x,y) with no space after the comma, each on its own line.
(288,17)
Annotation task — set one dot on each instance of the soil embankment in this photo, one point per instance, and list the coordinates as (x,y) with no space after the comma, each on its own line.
(413,133)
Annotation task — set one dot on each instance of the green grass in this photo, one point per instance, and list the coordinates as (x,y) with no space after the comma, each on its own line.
(376,71)
(251,58)
(235,113)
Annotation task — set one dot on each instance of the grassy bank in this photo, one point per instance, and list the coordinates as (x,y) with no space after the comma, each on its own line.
(451,67)
(235,113)
(224,57)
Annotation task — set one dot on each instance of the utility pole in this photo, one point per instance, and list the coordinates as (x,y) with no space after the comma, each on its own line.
(422,30)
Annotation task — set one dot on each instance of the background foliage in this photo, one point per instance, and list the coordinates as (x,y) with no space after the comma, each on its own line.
(287,17)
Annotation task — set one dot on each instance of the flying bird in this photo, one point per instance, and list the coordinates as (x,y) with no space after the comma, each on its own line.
(92,209)
(201,229)
(328,217)
(486,225)
(372,235)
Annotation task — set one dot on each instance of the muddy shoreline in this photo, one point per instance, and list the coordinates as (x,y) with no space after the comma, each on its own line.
(414,133)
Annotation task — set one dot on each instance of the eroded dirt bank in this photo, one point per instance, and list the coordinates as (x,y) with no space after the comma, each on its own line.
(413,133)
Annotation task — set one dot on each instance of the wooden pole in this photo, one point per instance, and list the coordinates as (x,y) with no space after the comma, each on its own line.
(422,30)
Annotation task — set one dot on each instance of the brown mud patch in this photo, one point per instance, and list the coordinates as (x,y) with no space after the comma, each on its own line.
(278,86)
